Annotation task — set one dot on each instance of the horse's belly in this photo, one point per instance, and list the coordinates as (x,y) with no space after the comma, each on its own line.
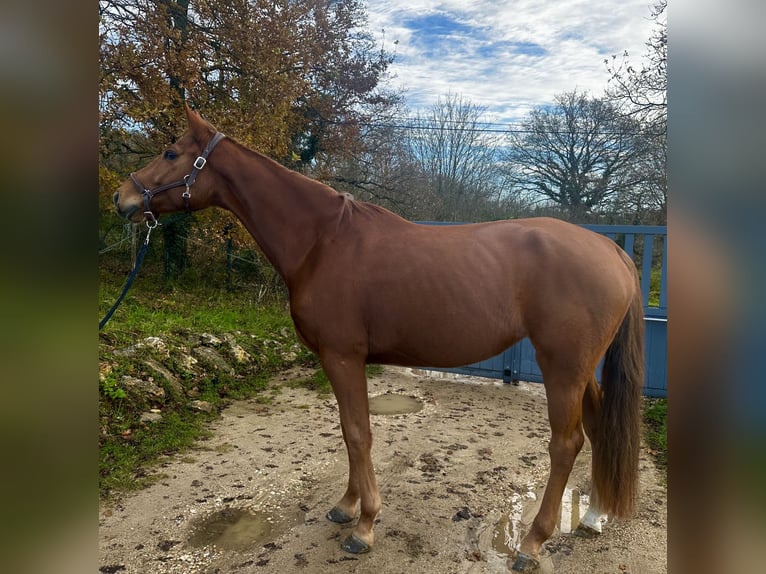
(446,335)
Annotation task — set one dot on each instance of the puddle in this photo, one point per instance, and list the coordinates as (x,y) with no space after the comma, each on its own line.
(240,529)
(393,404)
(574,505)
(508,530)
(511,528)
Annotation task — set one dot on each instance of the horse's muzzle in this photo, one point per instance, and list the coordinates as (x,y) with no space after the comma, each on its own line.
(128,214)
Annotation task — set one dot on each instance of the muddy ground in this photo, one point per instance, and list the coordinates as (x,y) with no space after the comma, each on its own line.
(459,479)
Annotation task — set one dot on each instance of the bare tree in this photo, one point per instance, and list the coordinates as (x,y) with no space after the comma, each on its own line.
(641,93)
(577,153)
(384,171)
(459,158)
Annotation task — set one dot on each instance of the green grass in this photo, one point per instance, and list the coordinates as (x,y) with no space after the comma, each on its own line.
(317,382)
(656,425)
(654,287)
(374,370)
(179,314)
(154,309)
(122,460)
(321,384)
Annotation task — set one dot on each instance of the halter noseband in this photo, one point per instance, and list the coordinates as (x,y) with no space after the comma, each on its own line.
(187,181)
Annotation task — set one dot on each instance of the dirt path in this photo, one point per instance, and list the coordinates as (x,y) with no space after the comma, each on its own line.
(458,479)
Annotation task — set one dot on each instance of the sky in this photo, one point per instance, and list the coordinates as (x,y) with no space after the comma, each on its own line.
(507,56)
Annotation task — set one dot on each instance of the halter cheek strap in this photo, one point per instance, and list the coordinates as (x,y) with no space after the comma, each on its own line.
(187,181)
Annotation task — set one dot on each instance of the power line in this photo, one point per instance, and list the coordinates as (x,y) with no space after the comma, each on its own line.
(411,124)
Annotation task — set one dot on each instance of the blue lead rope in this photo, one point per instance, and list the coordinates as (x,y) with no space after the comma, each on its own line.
(131,277)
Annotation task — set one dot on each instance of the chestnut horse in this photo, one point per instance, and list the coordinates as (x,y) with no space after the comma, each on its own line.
(367,286)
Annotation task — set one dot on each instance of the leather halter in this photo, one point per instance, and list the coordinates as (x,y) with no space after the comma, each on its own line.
(187,181)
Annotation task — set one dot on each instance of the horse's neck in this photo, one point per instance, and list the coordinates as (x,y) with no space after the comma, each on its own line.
(285,212)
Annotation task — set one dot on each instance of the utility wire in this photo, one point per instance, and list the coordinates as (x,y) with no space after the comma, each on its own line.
(412,124)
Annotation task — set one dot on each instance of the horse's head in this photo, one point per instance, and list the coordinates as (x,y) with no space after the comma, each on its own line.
(174,181)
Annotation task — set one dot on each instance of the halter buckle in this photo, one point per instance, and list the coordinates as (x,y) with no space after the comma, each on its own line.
(199,163)
(151,221)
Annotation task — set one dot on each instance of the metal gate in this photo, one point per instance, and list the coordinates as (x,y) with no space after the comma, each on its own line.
(647,245)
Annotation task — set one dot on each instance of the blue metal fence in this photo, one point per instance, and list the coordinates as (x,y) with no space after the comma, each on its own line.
(647,245)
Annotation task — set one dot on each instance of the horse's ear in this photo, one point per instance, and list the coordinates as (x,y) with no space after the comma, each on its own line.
(189,112)
(200,128)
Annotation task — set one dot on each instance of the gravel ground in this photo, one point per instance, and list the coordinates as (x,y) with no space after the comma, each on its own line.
(460,480)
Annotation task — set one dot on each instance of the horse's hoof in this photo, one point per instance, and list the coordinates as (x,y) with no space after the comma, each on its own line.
(525,563)
(354,545)
(585,531)
(338,516)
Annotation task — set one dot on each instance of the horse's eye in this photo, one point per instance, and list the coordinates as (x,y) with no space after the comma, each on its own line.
(170,154)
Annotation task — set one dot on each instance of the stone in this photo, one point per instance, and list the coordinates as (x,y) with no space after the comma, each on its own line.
(212,357)
(155,343)
(203,406)
(188,362)
(143,387)
(210,340)
(240,355)
(150,417)
(171,379)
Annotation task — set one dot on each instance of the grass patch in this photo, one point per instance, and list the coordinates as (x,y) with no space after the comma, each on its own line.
(317,382)
(321,384)
(654,287)
(178,315)
(124,457)
(374,370)
(656,424)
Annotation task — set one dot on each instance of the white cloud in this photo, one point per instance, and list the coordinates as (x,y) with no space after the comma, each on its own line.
(507,56)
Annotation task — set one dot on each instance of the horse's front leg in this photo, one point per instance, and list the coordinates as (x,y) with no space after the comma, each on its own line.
(349,384)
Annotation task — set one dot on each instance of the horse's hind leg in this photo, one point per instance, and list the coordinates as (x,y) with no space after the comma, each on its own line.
(349,384)
(565,395)
(590,524)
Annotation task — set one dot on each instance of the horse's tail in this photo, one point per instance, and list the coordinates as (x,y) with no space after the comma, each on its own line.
(618,434)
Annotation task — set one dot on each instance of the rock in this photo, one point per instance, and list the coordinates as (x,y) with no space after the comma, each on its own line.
(212,357)
(150,417)
(128,351)
(155,343)
(171,379)
(143,387)
(210,340)
(240,355)
(151,342)
(203,406)
(103,370)
(188,362)
(462,514)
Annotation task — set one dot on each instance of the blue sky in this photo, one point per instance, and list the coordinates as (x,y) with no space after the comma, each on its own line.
(506,55)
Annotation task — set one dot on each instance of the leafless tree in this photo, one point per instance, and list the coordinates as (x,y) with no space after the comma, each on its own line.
(577,154)
(640,92)
(459,158)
